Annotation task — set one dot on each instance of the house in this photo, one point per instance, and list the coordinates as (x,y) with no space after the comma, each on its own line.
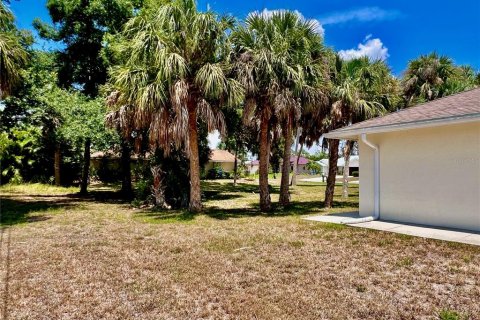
(221,158)
(302,164)
(421,165)
(107,165)
(252,166)
(353,166)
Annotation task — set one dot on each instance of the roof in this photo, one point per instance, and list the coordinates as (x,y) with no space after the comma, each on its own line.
(301,161)
(354,162)
(218,155)
(323,162)
(113,155)
(457,108)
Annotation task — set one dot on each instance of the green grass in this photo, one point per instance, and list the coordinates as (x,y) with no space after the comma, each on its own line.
(450,315)
(37,188)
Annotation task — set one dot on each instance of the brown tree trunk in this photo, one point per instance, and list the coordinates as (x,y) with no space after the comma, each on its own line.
(346,168)
(265,201)
(86,166)
(57,164)
(195,192)
(126,170)
(285,182)
(332,172)
(235,166)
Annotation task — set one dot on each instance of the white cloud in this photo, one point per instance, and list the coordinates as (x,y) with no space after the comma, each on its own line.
(372,48)
(318,26)
(213,139)
(361,15)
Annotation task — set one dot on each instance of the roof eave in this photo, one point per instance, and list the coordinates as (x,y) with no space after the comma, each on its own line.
(354,133)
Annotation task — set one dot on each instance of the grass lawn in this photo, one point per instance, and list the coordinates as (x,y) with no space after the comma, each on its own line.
(65,257)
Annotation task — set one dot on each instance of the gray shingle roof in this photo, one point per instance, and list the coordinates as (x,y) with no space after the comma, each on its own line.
(457,106)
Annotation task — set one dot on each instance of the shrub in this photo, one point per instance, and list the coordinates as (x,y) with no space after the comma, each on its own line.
(216,173)
(355,174)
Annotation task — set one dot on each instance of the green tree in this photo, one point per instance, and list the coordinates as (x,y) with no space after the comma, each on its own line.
(64,118)
(362,90)
(272,51)
(13,53)
(425,78)
(238,139)
(80,26)
(173,73)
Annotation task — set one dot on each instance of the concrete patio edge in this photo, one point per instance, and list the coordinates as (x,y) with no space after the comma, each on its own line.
(461,236)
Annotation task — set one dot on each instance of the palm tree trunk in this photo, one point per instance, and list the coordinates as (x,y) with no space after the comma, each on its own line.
(332,172)
(235,166)
(195,192)
(287,151)
(295,163)
(126,171)
(86,166)
(265,201)
(346,168)
(57,164)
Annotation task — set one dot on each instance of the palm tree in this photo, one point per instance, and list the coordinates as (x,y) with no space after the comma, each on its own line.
(277,61)
(174,75)
(361,91)
(305,85)
(425,76)
(12,53)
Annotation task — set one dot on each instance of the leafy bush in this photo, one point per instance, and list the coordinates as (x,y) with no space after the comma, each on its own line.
(355,174)
(216,173)
(18,154)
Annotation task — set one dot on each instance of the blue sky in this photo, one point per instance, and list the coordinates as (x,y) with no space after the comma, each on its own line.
(396,31)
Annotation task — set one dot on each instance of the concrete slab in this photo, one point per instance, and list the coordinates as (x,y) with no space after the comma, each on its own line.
(462,236)
(334,217)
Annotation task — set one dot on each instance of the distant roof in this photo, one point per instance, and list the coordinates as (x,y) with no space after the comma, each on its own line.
(354,162)
(105,154)
(457,108)
(110,154)
(323,162)
(301,161)
(218,155)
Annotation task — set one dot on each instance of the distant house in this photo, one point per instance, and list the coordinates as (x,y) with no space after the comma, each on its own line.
(302,164)
(353,166)
(106,165)
(221,158)
(422,164)
(252,166)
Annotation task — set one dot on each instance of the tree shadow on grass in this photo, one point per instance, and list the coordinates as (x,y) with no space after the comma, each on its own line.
(296,208)
(15,211)
(211,186)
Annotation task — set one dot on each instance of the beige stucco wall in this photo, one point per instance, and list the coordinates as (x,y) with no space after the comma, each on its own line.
(427,176)
(226,166)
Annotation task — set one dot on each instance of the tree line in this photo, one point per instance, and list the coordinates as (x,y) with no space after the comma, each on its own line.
(164,73)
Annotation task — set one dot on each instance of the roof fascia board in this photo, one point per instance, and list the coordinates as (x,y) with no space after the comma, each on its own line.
(353,134)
